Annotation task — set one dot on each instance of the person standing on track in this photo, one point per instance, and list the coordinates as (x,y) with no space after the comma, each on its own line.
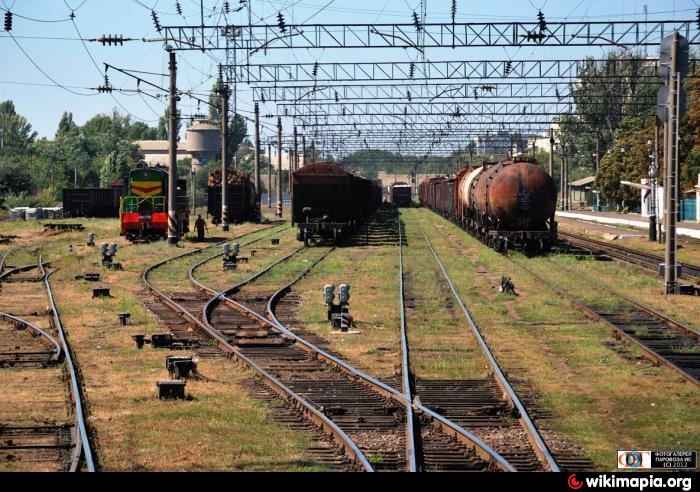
(200,225)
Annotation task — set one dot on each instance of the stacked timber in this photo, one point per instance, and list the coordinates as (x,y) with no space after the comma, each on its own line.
(234,178)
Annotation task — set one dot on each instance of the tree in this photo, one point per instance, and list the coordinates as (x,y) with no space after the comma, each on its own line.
(116,166)
(162,129)
(66,126)
(15,131)
(238,129)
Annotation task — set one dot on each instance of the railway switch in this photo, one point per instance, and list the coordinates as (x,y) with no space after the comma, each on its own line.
(507,286)
(338,314)
(140,340)
(161,340)
(230,256)
(171,389)
(108,252)
(180,366)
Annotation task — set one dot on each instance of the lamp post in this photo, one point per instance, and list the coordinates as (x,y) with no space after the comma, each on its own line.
(652,195)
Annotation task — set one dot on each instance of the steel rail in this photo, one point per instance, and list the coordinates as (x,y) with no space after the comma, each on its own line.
(405,368)
(83,443)
(630,255)
(591,314)
(448,427)
(19,321)
(445,425)
(206,330)
(538,443)
(596,317)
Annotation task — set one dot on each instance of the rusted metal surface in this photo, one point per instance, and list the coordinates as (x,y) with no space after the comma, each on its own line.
(516,195)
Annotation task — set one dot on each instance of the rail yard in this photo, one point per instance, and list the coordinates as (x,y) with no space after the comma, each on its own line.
(411,239)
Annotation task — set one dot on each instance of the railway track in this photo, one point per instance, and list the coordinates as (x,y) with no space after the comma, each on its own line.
(493,407)
(647,260)
(374,416)
(489,408)
(182,311)
(661,338)
(42,425)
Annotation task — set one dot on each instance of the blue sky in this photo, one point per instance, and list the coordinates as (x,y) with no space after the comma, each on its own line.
(63,57)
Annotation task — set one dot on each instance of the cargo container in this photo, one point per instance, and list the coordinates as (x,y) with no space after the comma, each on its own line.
(91,202)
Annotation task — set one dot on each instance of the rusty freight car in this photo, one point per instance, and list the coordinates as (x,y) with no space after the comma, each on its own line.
(508,204)
(328,201)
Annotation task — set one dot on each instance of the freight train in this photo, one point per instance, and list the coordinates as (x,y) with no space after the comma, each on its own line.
(143,212)
(401,194)
(240,195)
(329,201)
(506,205)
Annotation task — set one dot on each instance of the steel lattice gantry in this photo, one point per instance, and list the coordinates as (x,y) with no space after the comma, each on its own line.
(429,35)
(485,108)
(300,73)
(419,92)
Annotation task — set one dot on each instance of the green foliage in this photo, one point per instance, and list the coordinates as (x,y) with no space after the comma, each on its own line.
(692,167)
(45,198)
(238,129)
(16,133)
(116,166)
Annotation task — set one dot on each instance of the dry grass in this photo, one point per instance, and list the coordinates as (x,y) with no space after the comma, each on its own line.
(217,428)
(441,344)
(372,272)
(605,398)
(212,274)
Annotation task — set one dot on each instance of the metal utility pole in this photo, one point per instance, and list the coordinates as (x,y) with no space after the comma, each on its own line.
(224,156)
(295,154)
(671,151)
(655,187)
(303,147)
(194,187)
(653,173)
(597,155)
(257,157)
(172,149)
(561,175)
(551,152)
(269,174)
(279,167)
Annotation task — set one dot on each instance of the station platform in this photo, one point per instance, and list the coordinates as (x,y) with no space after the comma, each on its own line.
(690,229)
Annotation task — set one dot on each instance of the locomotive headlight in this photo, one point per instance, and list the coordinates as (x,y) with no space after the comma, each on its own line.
(328,293)
(227,249)
(344,293)
(235,249)
(103,249)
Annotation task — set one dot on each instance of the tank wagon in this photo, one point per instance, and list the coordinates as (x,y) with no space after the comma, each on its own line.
(506,205)
(143,211)
(329,201)
(240,197)
(401,194)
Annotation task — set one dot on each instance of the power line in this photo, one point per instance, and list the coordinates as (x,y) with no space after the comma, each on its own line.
(43,72)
